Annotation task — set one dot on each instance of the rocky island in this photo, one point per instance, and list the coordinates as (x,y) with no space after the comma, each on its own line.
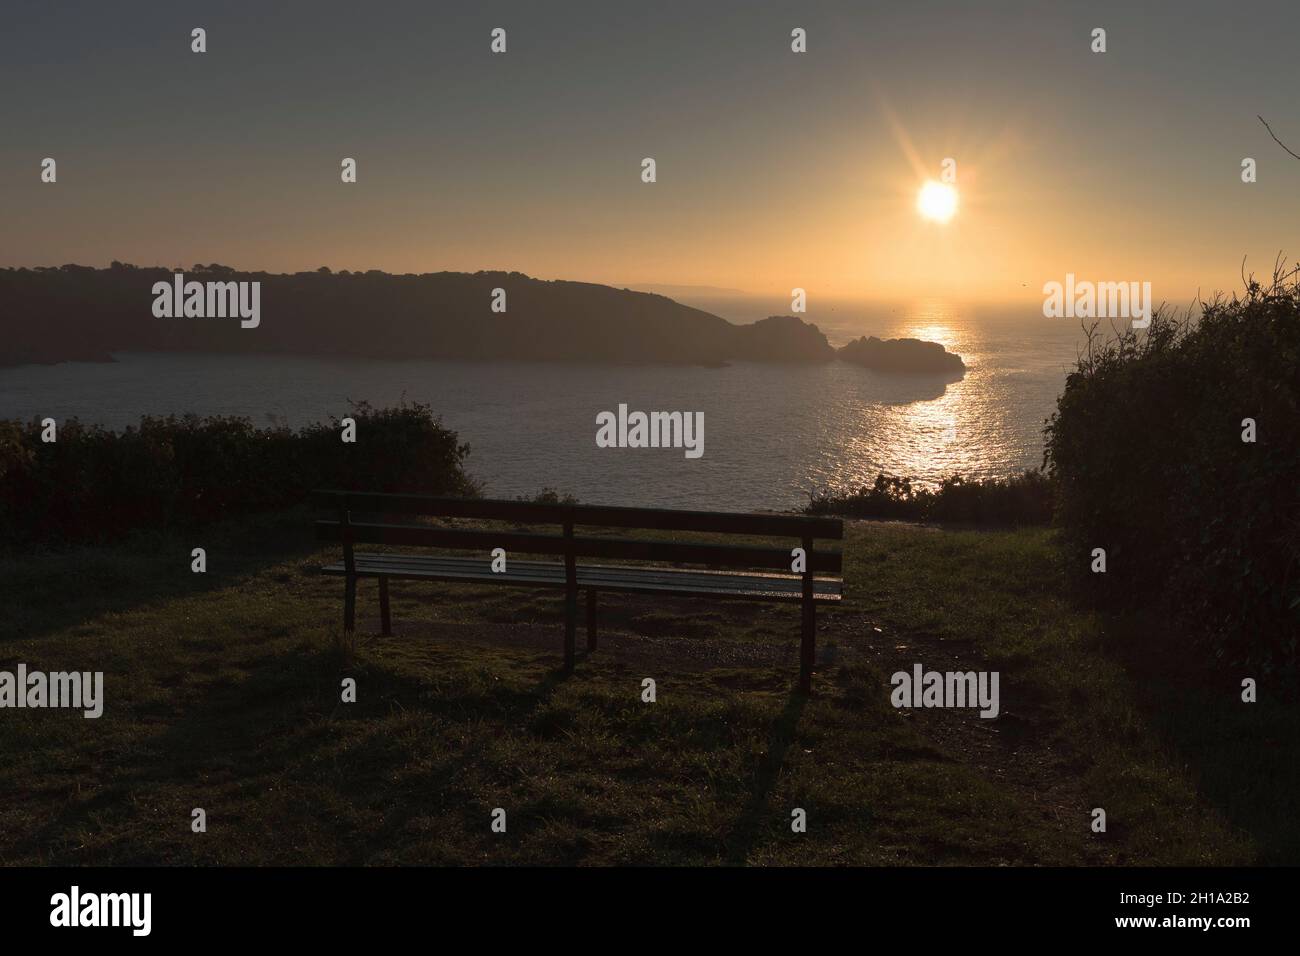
(904,356)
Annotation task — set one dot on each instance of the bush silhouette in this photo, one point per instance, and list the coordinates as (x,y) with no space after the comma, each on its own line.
(1146,448)
(95,484)
(1024,499)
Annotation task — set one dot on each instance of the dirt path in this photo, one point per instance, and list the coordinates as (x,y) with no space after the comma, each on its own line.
(1014,749)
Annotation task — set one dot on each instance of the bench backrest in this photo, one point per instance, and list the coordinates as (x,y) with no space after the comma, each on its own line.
(344,528)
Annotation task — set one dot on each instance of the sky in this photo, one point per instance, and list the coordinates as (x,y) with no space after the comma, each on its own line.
(775,170)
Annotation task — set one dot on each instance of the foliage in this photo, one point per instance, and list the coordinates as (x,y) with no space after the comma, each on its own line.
(1024,499)
(1147,450)
(183,471)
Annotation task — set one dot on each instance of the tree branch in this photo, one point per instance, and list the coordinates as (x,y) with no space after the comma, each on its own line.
(1274,135)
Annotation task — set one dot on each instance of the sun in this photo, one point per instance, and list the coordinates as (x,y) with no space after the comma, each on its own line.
(937,201)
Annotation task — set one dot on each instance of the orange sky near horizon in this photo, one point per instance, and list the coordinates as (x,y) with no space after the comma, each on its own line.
(775,170)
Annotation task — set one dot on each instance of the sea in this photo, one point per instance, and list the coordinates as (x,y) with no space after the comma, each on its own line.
(774,434)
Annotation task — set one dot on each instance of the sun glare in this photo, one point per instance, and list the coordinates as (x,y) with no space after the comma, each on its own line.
(937,201)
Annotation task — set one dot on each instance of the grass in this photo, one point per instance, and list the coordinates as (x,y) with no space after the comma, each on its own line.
(223,692)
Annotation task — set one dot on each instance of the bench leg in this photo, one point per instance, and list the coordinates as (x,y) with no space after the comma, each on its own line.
(570,628)
(385,616)
(808,647)
(350,604)
(591,619)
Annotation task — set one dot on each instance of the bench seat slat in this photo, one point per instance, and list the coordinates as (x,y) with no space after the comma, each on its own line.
(397,559)
(778,587)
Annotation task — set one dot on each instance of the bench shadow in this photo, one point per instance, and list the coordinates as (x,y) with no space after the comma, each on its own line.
(755,817)
(281,720)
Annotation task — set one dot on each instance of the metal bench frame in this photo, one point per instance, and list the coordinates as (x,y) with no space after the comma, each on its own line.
(770,585)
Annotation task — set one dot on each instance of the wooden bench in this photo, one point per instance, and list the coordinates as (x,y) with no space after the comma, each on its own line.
(361,518)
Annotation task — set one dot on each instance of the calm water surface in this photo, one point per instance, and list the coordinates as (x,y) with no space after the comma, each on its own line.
(772,433)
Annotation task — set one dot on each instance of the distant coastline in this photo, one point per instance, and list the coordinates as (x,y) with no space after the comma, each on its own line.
(75,313)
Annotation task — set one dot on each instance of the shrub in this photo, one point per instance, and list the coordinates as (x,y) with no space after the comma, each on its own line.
(1019,500)
(549,496)
(1146,448)
(95,484)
